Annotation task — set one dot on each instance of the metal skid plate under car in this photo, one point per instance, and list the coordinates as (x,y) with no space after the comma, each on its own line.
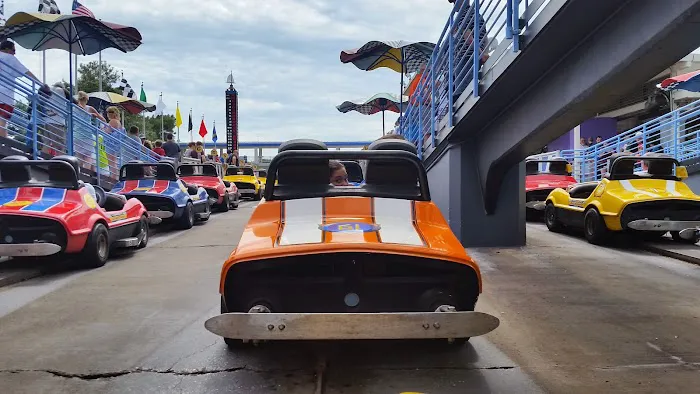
(340,326)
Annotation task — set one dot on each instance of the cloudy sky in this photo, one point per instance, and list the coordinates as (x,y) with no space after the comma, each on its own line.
(284,55)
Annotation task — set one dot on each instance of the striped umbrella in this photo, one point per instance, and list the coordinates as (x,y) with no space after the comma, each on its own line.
(689,82)
(104,99)
(76,34)
(378,103)
(401,56)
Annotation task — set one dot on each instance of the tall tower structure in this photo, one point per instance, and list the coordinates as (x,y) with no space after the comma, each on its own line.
(231,115)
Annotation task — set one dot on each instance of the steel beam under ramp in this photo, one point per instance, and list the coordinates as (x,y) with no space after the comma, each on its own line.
(603,49)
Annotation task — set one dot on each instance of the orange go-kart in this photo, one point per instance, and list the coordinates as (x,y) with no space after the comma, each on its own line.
(369,261)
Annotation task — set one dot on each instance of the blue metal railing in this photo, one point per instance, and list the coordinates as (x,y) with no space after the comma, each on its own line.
(39,126)
(459,60)
(676,134)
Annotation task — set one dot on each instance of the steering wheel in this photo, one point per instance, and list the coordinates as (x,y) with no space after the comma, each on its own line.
(100,195)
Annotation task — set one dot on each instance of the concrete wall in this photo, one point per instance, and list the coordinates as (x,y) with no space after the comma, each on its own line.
(564,142)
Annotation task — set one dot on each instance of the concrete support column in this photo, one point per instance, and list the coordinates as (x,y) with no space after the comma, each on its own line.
(456,189)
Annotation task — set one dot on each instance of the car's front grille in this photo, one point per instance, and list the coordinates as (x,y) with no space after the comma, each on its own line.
(153,203)
(245,185)
(537,195)
(661,210)
(16,229)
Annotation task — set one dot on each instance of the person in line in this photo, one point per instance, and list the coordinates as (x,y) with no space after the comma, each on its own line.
(83,104)
(338,173)
(188,151)
(170,147)
(113,119)
(159,148)
(13,68)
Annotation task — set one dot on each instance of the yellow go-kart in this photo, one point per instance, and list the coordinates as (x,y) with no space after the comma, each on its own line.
(246,181)
(647,203)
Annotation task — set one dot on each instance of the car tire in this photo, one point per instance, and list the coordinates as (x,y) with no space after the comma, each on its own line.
(230,342)
(594,227)
(143,225)
(550,218)
(236,201)
(258,196)
(207,209)
(225,204)
(96,250)
(187,218)
(677,237)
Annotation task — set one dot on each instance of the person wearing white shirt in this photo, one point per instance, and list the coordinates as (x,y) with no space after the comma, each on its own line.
(12,67)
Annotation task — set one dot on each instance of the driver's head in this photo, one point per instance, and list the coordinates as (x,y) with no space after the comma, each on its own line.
(339,176)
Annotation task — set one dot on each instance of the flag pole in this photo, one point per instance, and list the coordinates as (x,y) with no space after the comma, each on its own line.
(162,132)
(43,66)
(99,68)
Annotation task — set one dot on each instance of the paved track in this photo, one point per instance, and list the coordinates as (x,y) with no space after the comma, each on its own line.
(574,319)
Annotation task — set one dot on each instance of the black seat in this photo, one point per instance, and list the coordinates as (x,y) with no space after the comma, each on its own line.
(63,174)
(391,172)
(303,171)
(583,190)
(114,202)
(660,168)
(101,195)
(532,168)
(15,173)
(186,170)
(558,167)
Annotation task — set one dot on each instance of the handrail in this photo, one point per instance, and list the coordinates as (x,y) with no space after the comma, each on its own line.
(675,134)
(458,61)
(40,127)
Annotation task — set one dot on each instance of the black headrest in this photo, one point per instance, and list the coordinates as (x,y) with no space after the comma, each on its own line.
(165,171)
(354,171)
(392,144)
(660,167)
(232,170)
(624,167)
(15,174)
(557,167)
(302,144)
(72,160)
(133,173)
(302,170)
(532,168)
(186,170)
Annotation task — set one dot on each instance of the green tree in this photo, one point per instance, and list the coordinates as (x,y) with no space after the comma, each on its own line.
(153,130)
(88,77)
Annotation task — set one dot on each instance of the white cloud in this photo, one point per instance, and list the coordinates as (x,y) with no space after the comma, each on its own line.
(284,55)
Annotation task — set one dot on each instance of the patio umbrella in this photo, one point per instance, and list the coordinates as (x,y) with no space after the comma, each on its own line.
(104,99)
(76,34)
(378,103)
(401,56)
(689,82)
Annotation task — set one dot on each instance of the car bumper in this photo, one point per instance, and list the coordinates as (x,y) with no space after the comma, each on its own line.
(29,250)
(247,192)
(536,205)
(662,225)
(161,214)
(348,326)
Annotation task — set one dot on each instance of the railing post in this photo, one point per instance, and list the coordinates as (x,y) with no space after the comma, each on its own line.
(477,45)
(595,162)
(514,18)
(450,71)
(644,139)
(69,131)
(35,115)
(432,100)
(97,157)
(421,136)
(509,20)
(675,134)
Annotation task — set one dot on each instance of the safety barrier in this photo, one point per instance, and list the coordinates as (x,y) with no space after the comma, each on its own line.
(676,134)
(41,125)
(459,60)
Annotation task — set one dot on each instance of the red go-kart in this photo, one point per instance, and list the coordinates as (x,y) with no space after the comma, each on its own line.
(541,177)
(222,194)
(45,210)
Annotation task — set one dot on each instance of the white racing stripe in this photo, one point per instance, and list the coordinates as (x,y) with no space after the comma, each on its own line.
(301,220)
(671,188)
(395,217)
(627,185)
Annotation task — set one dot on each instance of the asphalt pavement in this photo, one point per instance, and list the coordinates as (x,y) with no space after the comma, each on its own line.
(574,319)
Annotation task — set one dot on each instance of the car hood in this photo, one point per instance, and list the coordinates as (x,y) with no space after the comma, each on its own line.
(150,187)
(203,181)
(39,201)
(650,189)
(546,181)
(240,178)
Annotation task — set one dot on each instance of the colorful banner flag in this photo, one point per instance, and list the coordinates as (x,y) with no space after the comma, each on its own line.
(189,126)
(213,134)
(178,117)
(142,97)
(79,9)
(48,7)
(160,106)
(202,129)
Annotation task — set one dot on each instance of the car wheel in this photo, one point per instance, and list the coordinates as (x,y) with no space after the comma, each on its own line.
(236,202)
(144,229)
(207,209)
(230,342)
(258,196)
(96,250)
(187,218)
(226,204)
(594,227)
(550,218)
